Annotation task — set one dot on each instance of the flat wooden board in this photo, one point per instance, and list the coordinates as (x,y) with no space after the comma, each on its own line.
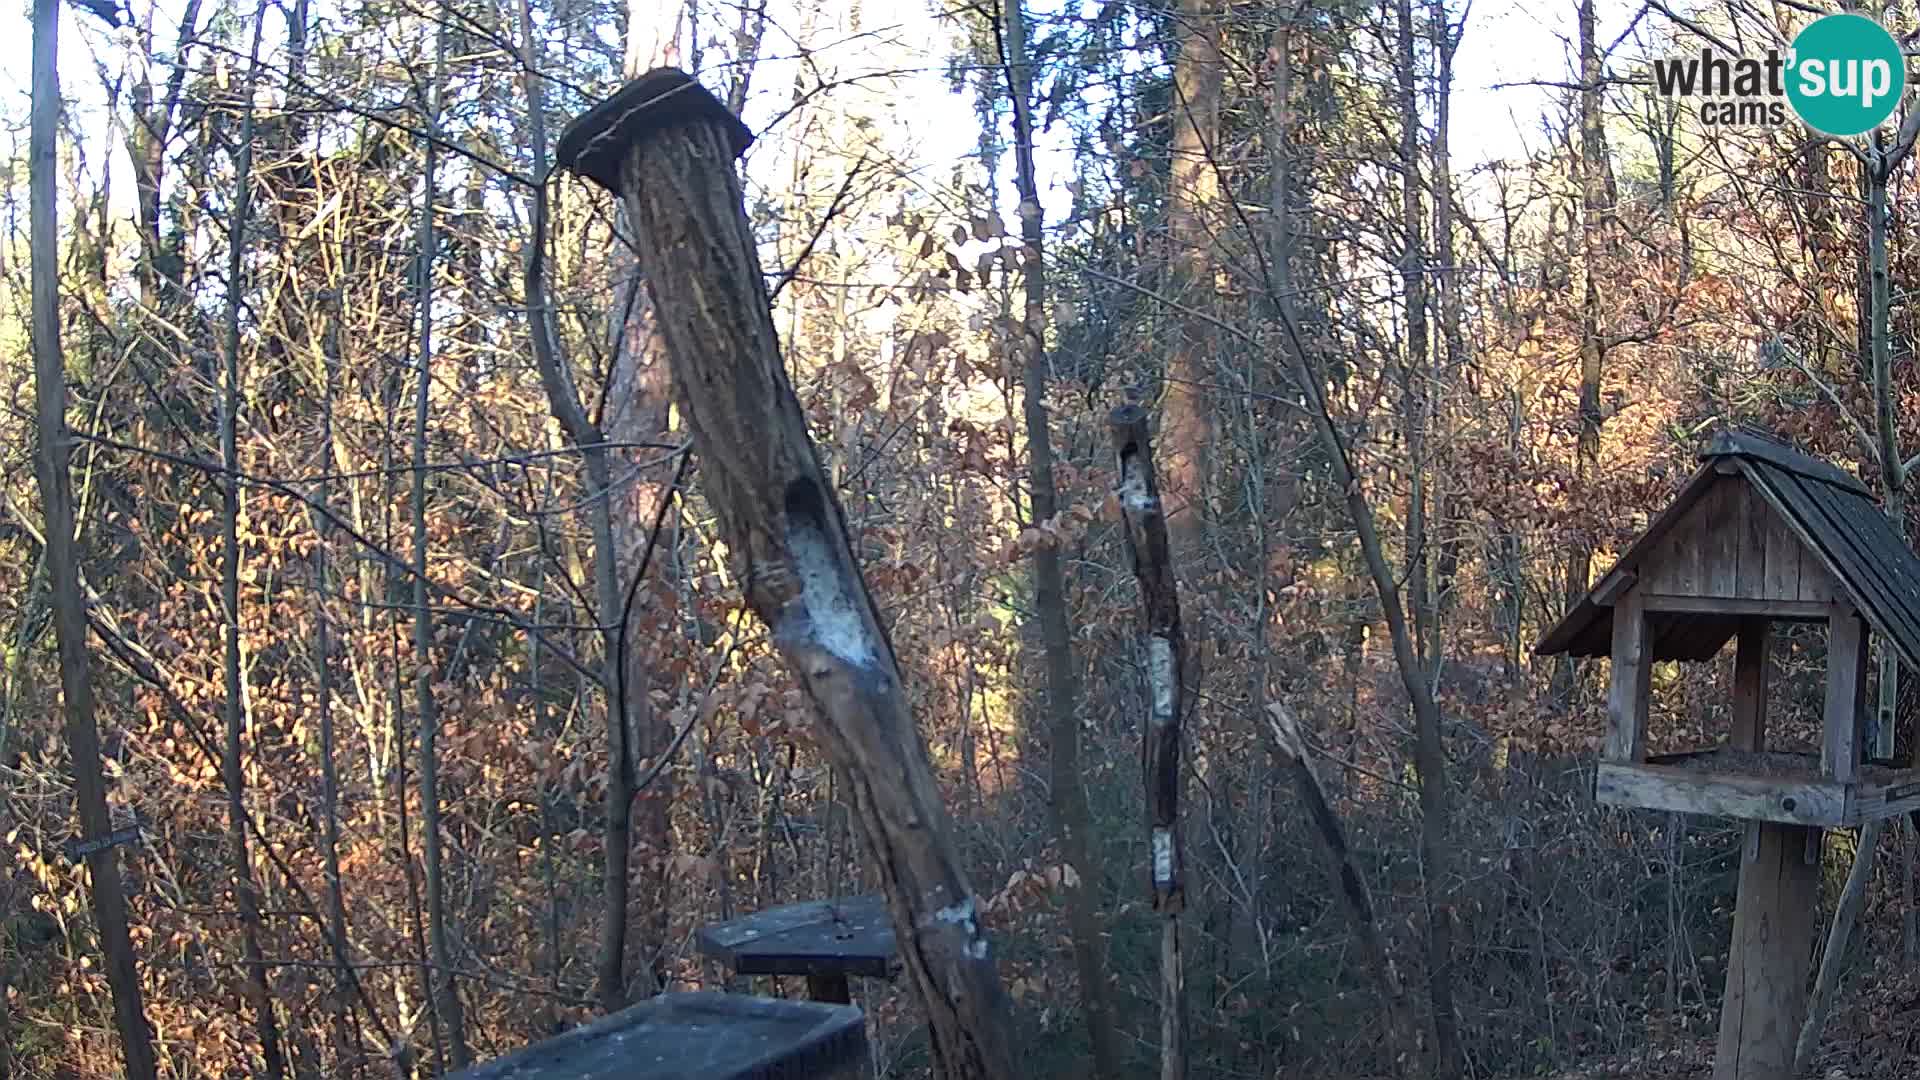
(1680,790)
(1728,782)
(845,936)
(699,1036)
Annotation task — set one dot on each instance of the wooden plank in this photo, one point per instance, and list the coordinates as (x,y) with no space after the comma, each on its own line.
(1750,664)
(1735,605)
(694,1036)
(1607,593)
(1720,538)
(845,936)
(1824,544)
(1869,569)
(1783,553)
(1766,994)
(1632,670)
(1886,553)
(1846,694)
(1681,790)
(1683,556)
(1877,802)
(1755,520)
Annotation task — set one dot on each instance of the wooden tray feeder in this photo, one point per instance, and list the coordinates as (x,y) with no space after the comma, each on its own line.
(696,1036)
(1761,534)
(824,940)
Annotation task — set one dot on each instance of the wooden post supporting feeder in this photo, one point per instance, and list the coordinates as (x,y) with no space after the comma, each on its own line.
(666,147)
(1761,534)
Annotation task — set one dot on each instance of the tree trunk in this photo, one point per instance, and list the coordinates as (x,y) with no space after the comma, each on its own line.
(783,524)
(1187,420)
(445,990)
(1429,748)
(1853,897)
(346,1043)
(633,415)
(1186,417)
(1591,164)
(1071,816)
(1348,879)
(246,893)
(1413,365)
(1448,547)
(1892,472)
(109,903)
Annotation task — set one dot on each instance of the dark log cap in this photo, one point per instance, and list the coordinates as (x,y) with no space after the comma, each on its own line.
(597,141)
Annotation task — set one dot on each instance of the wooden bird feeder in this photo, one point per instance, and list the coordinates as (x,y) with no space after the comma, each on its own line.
(824,940)
(696,1036)
(1760,534)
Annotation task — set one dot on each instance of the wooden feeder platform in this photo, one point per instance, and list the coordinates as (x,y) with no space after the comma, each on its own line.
(1765,785)
(824,940)
(695,1036)
(1761,534)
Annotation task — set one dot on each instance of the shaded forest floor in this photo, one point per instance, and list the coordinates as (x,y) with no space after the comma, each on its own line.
(1872,1034)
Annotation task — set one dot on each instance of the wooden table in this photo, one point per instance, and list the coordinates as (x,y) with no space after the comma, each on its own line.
(695,1036)
(824,940)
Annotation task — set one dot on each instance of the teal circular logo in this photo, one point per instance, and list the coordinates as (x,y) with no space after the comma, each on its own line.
(1847,75)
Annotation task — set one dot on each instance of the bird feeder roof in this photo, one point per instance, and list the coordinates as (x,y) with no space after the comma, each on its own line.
(1838,525)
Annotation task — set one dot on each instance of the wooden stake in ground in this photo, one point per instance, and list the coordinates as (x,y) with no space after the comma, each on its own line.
(1139,496)
(666,146)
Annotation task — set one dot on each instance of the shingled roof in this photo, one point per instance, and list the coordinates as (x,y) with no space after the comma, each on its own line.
(1836,520)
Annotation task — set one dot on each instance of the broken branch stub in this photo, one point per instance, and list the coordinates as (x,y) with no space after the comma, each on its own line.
(666,147)
(1139,497)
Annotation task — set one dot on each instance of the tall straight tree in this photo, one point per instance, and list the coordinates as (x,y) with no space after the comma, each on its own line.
(1194,183)
(1186,415)
(246,892)
(1590,165)
(1069,792)
(109,902)
(1413,362)
(1429,753)
(445,990)
(627,704)
(633,414)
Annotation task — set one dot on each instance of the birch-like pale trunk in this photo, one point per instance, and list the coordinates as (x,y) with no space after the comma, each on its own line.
(1165,651)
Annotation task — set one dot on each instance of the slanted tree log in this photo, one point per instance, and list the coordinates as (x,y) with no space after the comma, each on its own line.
(666,147)
(1139,497)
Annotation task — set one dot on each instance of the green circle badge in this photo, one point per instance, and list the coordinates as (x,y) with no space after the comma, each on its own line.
(1847,75)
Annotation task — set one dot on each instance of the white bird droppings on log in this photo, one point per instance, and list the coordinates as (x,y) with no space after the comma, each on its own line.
(834,619)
